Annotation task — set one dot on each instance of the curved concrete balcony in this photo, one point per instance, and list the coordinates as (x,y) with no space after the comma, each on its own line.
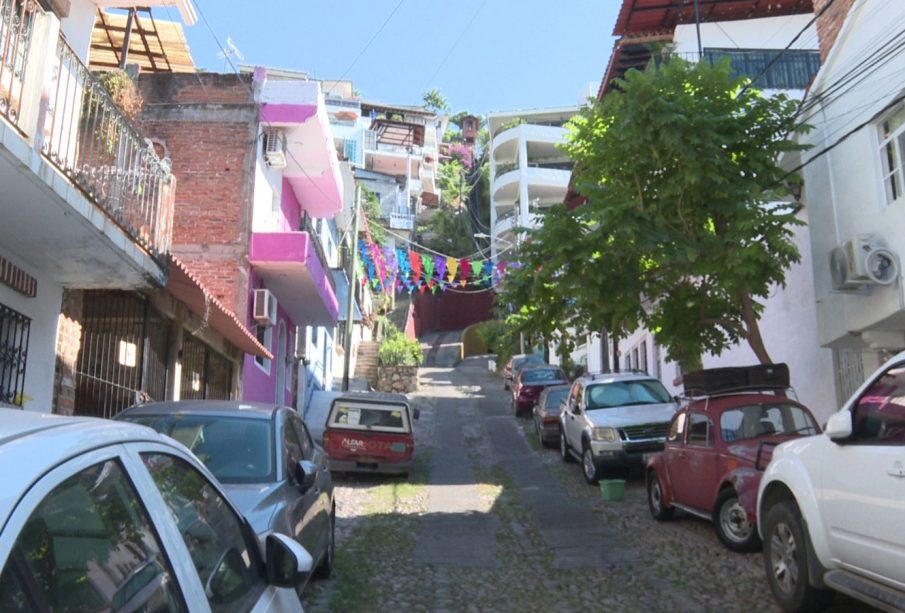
(542,142)
(547,185)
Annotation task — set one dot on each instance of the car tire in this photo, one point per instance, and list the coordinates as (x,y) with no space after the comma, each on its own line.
(658,510)
(564,452)
(730,519)
(786,560)
(325,568)
(588,467)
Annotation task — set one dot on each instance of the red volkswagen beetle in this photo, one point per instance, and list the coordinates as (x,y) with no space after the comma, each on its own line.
(717,448)
(528,384)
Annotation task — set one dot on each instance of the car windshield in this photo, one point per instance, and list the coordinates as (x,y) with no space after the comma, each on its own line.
(236,450)
(361,416)
(541,375)
(626,393)
(554,398)
(768,419)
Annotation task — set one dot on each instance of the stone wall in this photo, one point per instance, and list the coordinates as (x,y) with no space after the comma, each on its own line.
(397,379)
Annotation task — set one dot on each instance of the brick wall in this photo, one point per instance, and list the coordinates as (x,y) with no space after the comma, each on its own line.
(69,341)
(207,124)
(830,22)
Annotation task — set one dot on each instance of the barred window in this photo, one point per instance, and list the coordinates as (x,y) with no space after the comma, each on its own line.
(790,69)
(14,332)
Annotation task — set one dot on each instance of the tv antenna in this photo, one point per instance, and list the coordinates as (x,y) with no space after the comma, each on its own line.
(231,51)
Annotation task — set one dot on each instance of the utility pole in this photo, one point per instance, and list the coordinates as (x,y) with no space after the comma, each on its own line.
(353,282)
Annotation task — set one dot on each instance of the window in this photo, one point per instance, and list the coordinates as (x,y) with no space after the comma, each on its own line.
(879,415)
(89,546)
(292,450)
(14,331)
(206,374)
(892,142)
(788,68)
(677,428)
(264,334)
(377,417)
(699,430)
(643,365)
(304,438)
(213,534)
(765,420)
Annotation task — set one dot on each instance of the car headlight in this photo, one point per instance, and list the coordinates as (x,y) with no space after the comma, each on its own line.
(607,435)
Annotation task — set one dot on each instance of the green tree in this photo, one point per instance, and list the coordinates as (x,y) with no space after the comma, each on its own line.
(684,230)
(434,101)
(370,206)
(448,231)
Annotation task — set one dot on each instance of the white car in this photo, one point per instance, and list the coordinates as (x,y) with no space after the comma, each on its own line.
(614,420)
(102,515)
(831,507)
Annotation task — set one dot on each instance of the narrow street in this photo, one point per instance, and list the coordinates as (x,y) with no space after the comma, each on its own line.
(489,521)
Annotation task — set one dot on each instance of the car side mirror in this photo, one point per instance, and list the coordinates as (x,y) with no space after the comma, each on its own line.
(839,426)
(305,474)
(416,413)
(288,563)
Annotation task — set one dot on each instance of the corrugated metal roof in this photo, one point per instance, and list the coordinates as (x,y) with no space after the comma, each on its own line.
(659,16)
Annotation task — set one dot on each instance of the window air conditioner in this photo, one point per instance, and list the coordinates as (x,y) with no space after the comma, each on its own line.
(274,148)
(265,308)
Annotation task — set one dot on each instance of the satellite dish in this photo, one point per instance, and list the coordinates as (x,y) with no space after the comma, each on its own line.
(882,266)
(231,51)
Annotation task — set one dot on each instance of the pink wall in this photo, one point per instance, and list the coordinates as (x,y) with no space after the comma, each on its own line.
(290,207)
(257,385)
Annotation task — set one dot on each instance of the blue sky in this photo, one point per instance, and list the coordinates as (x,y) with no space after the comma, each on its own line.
(483,55)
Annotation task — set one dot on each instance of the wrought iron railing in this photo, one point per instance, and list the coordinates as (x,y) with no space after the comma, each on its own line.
(88,137)
(14,332)
(16,21)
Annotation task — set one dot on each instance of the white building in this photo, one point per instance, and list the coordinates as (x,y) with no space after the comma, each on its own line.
(528,170)
(853,177)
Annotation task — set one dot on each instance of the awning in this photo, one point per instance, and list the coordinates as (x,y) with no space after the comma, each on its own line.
(188,289)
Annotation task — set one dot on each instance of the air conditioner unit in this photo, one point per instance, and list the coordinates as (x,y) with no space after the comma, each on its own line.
(863,260)
(265,308)
(274,148)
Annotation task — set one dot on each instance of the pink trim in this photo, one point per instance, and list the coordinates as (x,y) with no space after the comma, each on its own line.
(287,113)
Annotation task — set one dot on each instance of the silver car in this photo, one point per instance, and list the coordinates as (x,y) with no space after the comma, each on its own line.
(266,461)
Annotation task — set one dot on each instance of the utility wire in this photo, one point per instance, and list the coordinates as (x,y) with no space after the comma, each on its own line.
(456,43)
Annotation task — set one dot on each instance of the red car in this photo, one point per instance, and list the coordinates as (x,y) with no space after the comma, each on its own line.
(529,382)
(717,448)
(370,432)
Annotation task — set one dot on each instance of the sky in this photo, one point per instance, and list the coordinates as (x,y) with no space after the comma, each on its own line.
(482,55)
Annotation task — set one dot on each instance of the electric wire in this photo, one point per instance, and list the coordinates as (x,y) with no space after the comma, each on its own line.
(456,42)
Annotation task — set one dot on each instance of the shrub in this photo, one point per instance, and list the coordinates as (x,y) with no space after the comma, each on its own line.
(400,351)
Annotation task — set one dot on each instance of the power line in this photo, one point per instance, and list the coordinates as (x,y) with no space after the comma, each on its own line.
(368,44)
(456,43)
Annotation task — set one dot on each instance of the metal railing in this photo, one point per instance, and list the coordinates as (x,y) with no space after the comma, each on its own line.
(308,226)
(16,21)
(87,136)
(14,333)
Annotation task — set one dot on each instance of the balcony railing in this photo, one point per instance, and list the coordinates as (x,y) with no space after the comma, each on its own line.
(74,122)
(87,136)
(16,22)
(373,143)
(308,226)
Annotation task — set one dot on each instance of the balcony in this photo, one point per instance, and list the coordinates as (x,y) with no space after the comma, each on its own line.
(295,268)
(547,185)
(77,175)
(542,142)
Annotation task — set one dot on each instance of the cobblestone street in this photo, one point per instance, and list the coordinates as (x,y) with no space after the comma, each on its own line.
(489,521)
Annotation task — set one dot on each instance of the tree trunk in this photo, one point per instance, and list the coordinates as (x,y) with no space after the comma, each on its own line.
(755,340)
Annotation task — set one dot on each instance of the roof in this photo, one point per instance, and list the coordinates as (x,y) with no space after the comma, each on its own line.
(220,408)
(155,45)
(188,289)
(609,377)
(381,397)
(658,16)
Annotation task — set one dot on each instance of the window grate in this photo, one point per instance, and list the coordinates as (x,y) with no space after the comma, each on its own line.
(14,332)
(206,375)
(790,68)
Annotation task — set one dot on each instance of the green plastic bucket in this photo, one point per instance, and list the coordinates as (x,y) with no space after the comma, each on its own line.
(612,489)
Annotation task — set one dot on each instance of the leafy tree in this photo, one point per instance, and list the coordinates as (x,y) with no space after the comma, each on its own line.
(434,101)
(453,182)
(370,206)
(682,231)
(448,231)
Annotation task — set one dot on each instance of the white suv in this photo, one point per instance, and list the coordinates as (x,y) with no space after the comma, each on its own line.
(831,507)
(614,420)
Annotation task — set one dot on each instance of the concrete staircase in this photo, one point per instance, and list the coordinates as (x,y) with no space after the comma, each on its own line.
(366,362)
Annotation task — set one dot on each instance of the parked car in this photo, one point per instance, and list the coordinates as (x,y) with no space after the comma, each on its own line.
(832,507)
(99,515)
(370,432)
(528,384)
(614,420)
(546,414)
(716,450)
(515,364)
(265,459)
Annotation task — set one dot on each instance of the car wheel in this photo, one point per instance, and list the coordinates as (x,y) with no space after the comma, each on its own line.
(786,560)
(325,568)
(731,522)
(588,467)
(658,510)
(564,448)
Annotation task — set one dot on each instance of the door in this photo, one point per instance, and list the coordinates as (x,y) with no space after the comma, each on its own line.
(573,420)
(302,507)
(693,466)
(863,493)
